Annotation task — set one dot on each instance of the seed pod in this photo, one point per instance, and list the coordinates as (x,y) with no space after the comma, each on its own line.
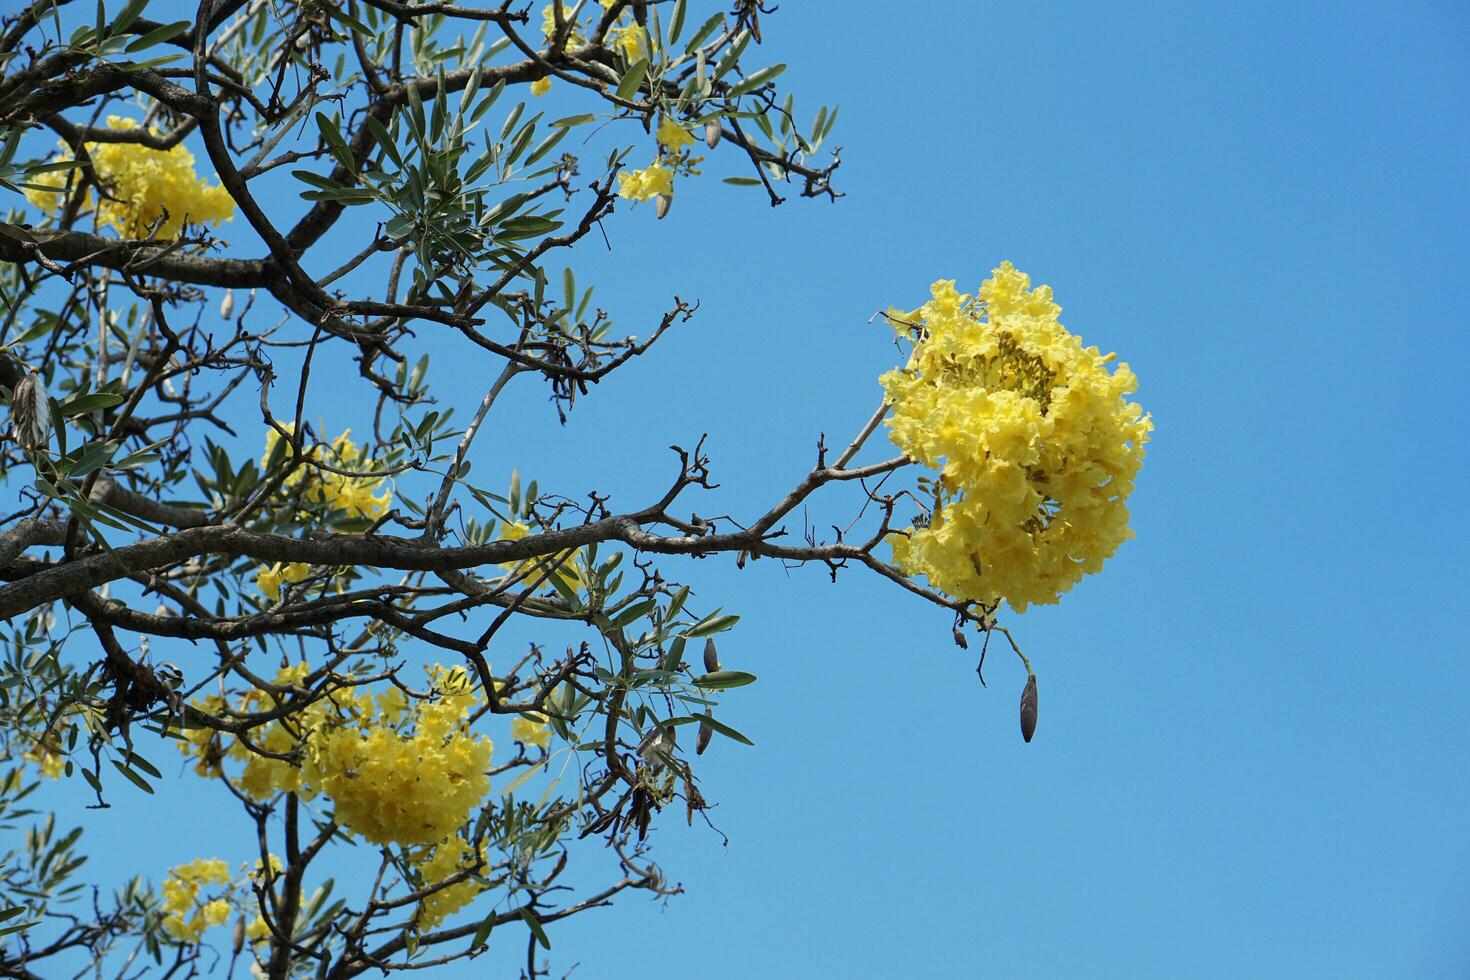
(661,204)
(711,657)
(30,412)
(959,639)
(712,133)
(1028,708)
(706,732)
(227,305)
(239,940)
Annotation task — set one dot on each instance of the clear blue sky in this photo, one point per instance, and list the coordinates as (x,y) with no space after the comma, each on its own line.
(1252,752)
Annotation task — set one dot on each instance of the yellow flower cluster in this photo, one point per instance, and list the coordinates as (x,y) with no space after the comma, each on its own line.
(531,729)
(1036,446)
(568,573)
(394,771)
(650,182)
(270,578)
(185,915)
(357,496)
(48,756)
(452,854)
(144,185)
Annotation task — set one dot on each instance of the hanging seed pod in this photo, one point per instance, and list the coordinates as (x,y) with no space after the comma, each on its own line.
(661,204)
(959,639)
(227,305)
(712,133)
(30,412)
(1028,708)
(239,939)
(711,656)
(706,732)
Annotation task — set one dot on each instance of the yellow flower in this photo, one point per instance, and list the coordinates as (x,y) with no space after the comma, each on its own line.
(356,496)
(650,182)
(270,578)
(631,41)
(548,25)
(448,856)
(1035,445)
(530,730)
(569,572)
(185,916)
(541,85)
(143,186)
(672,136)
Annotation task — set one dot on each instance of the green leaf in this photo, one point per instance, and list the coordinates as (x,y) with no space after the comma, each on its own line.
(711,624)
(82,404)
(633,79)
(129,14)
(634,612)
(11,912)
(133,777)
(676,23)
(482,934)
(742,181)
(725,730)
(333,137)
(752,82)
(578,120)
(723,680)
(535,925)
(705,30)
(158,35)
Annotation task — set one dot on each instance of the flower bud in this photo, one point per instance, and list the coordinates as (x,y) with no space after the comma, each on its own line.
(711,657)
(30,412)
(1028,708)
(712,133)
(661,204)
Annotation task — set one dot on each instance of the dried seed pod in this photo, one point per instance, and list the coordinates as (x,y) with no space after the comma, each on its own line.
(227,304)
(711,657)
(706,732)
(1028,708)
(661,204)
(959,639)
(712,133)
(30,412)
(239,939)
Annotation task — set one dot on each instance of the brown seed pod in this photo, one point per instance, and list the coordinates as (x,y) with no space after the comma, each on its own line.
(30,412)
(238,942)
(711,657)
(706,732)
(712,133)
(1028,708)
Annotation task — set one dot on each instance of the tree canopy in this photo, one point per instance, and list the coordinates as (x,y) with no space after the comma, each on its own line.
(207,217)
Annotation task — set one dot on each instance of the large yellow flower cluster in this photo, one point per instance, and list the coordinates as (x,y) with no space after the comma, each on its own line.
(185,915)
(358,496)
(395,771)
(1036,446)
(144,185)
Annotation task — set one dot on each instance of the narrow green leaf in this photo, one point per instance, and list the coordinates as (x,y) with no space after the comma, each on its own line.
(82,404)
(535,925)
(725,730)
(133,777)
(752,82)
(723,680)
(634,78)
(158,35)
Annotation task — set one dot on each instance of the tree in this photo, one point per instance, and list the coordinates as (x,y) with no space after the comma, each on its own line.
(333,603)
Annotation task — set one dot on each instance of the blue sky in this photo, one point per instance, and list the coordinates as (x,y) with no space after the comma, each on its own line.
(1251,757)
